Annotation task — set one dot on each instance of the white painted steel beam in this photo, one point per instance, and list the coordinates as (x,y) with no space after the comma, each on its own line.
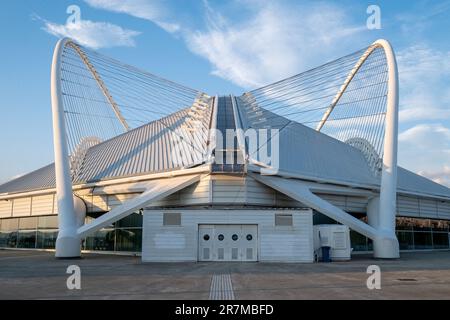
(68,243)
(156,190)
(389,248)
(300,192)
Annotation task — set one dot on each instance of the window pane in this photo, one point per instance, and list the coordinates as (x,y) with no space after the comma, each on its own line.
(102,240)
(358,241)
(405,240)
(132,221)
(46,239)
(27,239)
(8,239)
(422,240)
(440,225)
(129,240)
(369,244)
(422,228)
(440,240)
(404,227)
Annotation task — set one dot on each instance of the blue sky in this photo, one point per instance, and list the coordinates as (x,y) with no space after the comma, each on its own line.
(220,47)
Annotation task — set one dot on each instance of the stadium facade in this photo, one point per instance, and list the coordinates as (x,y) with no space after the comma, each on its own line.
(144,165)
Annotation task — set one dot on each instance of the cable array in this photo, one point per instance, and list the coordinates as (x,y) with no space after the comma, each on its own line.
(334,98)
(103,97)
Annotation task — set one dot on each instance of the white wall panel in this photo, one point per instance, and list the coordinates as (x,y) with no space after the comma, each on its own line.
(408,206)
(22,207)
(428,208)
(42,205)
(5,208)
(444,209)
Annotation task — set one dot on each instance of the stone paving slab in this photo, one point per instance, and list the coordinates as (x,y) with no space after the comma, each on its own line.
(38,275)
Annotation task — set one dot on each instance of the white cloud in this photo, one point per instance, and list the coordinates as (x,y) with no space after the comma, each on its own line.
(425,99)
(441,176)
(420,112)
(274,42)
(93,34)
(421,134)
(425,149)
(424,74)
(149,10)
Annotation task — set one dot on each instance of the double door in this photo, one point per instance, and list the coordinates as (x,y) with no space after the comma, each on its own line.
(228,243)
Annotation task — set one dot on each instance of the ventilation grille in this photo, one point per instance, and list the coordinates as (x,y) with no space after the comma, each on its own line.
(172,219)
(283,220)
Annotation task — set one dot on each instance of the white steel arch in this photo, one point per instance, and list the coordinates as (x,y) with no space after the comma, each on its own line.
(383,44)
(388,247)
(298,98)
(67,42)
(144,85)
(68,243)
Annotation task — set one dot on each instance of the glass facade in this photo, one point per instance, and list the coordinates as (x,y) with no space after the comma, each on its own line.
(41,233)
(126,235)
(412,234)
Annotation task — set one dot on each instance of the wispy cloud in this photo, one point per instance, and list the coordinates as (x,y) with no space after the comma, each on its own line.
(414,22)
(424,74)
(440,176)
(426,148)
(92,34)
(274,42)
(153,11)
(425,105)
(420,134)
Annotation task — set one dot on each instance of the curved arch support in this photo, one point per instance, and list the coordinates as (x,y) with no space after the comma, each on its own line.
(388,247)
(377,44)
(385,246)
(68,244)
(101,84)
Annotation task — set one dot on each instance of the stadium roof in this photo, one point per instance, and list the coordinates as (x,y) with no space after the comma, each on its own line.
(303,151)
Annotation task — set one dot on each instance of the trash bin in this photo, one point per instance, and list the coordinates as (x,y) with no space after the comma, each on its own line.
(326,254)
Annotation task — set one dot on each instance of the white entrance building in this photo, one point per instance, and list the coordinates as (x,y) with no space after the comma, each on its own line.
(228,235)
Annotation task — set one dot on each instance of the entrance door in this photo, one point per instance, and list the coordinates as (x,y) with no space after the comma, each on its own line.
(228,243)
(249,243)
(205,243)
